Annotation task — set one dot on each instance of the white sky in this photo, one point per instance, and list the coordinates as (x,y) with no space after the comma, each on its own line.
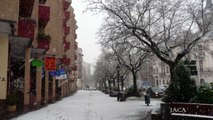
(88,25)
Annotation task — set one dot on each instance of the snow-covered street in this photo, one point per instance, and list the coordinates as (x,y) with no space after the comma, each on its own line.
(93,105)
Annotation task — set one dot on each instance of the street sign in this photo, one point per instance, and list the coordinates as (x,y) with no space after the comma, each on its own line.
(50,63)
(58,72)
(52,73)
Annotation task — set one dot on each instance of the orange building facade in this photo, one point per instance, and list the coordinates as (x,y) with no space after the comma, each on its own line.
(38,52)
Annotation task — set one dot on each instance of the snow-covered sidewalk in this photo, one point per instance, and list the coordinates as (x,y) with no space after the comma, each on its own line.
(93,105)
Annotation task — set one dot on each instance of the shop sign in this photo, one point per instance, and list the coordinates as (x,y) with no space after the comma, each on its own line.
(50,63)
(52,73)
(58,72)
(61,71)
(178,110)
(61,77)
(37,63)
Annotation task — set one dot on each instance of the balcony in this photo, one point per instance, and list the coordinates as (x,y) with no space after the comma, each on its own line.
(26,28)
(66,4)
(76,57)
(44,15)
(76,46)
(42,1)
(25,8)
(64,39)
(66,46)
(43,45)
(66,30)
(75,36)
(65,60)
(66,16)
(75,68)
(43,41)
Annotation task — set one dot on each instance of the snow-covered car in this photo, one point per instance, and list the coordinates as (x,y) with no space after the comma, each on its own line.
(162,87)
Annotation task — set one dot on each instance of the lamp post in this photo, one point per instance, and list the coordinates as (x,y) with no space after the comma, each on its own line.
(122,83)
(109,81)
(118,75)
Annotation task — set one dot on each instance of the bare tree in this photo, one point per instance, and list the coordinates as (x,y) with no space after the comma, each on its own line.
(131,58)
(170,28)
(105,70)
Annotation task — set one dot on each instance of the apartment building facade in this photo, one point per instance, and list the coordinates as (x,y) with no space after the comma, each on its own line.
(80,68)
(38,52)
(202,55)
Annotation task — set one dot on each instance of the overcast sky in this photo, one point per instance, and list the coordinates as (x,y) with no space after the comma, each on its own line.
(88,25)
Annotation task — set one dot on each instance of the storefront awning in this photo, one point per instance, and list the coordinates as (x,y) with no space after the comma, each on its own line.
(37,52)
(18,46)
(7,26)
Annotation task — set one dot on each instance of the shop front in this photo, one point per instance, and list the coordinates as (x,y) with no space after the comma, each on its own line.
(19,70)
(6,30)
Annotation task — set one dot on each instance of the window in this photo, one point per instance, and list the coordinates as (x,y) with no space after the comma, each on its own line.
(200,49)
(167,69)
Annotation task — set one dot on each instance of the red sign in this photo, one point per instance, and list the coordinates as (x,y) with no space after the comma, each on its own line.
(50,63)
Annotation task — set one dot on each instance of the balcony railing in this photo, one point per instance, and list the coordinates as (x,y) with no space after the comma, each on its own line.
(75,68)
(25,8)
(43,45)
(64,39)
(66,46)
(76,46)
(75,36)
(66,4)
(76,57)
(66,60)
(26,28)
(66,30)
(42,1)
(44,14)
(66,16)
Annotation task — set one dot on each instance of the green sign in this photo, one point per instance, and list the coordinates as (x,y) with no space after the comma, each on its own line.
(37,63)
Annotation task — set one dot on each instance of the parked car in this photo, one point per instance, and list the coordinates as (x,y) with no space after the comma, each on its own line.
(106,91)
(163,87)
(113,93)
(155,92)
(143,85)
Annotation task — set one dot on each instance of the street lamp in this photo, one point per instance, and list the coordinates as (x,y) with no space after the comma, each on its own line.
(118,75)
(109,81)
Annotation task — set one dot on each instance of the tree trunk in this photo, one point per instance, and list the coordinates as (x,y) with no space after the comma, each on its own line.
(135,81)
(109,85)
(172,72)
(122,84)
(113,83)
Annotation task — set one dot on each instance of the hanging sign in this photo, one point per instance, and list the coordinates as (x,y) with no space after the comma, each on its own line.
(64,76)
(50,63)
(37,63)
(61,71)
(61,74)
(52,73)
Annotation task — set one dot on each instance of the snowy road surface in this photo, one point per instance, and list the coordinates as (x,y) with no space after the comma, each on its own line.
(92,105)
